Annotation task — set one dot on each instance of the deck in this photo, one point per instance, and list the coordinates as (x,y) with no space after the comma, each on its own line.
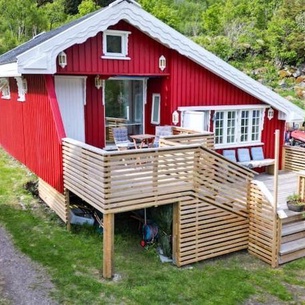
(219,206)
(287,184)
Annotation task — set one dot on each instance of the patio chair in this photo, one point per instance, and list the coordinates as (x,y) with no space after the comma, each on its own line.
(120,136)
(259,159)
(229,154)
(162,131)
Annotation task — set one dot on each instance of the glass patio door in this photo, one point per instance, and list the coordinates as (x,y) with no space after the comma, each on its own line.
(124,105)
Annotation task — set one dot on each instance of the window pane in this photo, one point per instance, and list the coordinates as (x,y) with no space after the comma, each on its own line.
(219,123)
(231,122)
(255,125)
(244,126)
(114,44)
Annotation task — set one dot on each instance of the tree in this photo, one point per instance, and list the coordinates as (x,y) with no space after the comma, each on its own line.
(71,6)
(55,13)
(285,36)
(21,20)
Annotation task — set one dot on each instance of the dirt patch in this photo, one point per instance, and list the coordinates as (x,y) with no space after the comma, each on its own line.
(22,282)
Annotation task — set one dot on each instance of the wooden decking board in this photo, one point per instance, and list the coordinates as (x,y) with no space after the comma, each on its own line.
(296,236)
(292,246)
(292,228)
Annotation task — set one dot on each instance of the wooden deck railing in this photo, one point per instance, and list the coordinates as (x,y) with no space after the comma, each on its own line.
(214,220)
(264,229)
(293,158)
(211,195)
(204,139)
(121,181)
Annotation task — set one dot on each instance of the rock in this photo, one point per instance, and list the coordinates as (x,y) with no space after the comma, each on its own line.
(300,92)
(297,73)
(284,73)
(300,79)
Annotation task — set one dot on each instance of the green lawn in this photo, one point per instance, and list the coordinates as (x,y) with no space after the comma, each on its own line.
(74,260)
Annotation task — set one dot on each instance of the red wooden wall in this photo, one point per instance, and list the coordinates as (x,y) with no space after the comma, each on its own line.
(31,131)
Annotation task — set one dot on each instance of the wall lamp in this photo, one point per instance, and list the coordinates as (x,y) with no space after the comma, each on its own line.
(98,82)
(62,59)
(270,113)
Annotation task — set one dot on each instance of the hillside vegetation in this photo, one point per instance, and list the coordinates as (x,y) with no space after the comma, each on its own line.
(263,38)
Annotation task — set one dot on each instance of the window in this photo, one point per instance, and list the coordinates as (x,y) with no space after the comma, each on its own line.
(155,111)
(238,127)
(5,88)
(115,44)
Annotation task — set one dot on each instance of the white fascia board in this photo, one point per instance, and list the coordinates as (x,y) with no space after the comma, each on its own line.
(9,70)
(222,107)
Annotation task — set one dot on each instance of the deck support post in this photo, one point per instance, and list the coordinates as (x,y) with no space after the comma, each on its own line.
(67,203)
(176,237)
(108,245)
(276,236)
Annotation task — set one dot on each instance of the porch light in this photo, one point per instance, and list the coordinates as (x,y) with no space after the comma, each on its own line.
(175,117)
(162,63)
(98,82)
(270,113)
(62,59)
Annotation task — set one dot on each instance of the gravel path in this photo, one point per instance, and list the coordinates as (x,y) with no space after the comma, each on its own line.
(22,282)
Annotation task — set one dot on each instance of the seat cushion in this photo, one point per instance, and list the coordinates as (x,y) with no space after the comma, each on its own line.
(257,153)
(243,155)
(229,154)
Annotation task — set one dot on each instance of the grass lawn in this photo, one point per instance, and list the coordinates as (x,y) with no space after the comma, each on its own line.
(74,260)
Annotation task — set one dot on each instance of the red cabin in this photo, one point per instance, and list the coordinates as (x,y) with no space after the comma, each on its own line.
(122,66)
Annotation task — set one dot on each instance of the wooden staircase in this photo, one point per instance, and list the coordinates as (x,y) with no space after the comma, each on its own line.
(293,237)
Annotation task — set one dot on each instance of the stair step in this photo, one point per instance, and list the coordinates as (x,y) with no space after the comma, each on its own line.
(285,258)
(292,246)
(292,216)
(291,237)
(292,228)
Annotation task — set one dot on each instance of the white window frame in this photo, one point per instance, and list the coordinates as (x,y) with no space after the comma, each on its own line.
(124,46)
(155,109)
(237,128)
(5,88)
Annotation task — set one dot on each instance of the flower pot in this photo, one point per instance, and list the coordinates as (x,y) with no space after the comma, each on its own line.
(295,207)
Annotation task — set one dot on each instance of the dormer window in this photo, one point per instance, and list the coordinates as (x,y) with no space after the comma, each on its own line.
(115,44)
(5,88)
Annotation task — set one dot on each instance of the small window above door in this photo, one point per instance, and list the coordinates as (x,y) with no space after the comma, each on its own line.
(115,44)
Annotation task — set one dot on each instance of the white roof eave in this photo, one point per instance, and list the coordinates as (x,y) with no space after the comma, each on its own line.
(9,70)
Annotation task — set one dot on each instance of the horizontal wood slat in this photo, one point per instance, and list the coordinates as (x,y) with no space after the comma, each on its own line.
(294,158)
(263,226)
(210,192)
(55,200)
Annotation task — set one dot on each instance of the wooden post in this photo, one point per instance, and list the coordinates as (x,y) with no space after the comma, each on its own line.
(176,235)
(108,245)
(67,203)
(276,237)
(276,167)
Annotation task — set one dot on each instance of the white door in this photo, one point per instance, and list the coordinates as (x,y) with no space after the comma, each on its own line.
(70,92)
